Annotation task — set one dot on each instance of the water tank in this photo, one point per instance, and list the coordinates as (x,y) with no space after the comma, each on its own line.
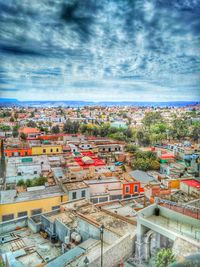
(73,236)
(78,238)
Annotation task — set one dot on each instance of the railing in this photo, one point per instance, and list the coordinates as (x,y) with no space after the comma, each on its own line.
(185,209)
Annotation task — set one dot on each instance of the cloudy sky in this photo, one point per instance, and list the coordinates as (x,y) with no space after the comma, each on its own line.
(100,50)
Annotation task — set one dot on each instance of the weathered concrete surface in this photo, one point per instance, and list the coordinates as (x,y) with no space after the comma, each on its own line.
(181,248)
(121,250)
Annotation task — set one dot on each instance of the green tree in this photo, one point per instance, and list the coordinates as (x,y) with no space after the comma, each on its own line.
(15,131)
(55,129)
(131,148)
(21,182)
(151,118)
(164,257)
(142,137)
(32,114)
(31,124)
(179,128)
(39,181)
(16,115)
(71,127)
(2,264)
(5,128)
(23,136)
(145,161)
(195,131)
(28,183)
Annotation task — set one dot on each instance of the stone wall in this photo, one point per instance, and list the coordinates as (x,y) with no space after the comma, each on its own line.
(182,248)
(119,251)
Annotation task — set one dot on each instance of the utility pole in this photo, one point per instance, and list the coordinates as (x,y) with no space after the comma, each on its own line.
(101,237)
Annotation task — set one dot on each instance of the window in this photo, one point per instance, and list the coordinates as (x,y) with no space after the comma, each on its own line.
(7,217)
(26,153)
(127,196)
(35,172)
(104,149)
(51,150)
(103,199)
(115,148)
(19,173)
(73,195)
(94,200)
(83,193)
(44,150)
(36,211)
(22,213)
(136,188)
(19,154)
(57,150)
(127,189)
(113,197)
(55,207)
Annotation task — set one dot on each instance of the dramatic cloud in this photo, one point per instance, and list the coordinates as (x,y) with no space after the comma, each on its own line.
(100,50)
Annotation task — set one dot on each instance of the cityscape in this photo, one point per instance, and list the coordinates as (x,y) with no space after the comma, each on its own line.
(99,133)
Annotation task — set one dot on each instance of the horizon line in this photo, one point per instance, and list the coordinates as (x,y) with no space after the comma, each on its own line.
(99,101)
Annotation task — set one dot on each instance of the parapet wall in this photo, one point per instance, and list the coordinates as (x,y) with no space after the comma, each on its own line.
(13,225)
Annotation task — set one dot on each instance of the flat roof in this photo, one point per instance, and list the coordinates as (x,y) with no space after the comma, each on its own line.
(75,185)
(10,196)
(29,249)
(102,181)
(141,176)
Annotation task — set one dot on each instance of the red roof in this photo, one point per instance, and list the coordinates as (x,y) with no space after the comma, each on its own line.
(192,183)
(29,130)
(167,156)
(96,161)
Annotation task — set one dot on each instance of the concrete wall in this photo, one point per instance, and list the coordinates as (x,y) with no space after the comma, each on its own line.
(181,248)
(35,227)
(13,224)
(61,230)
(178,216)
(87,230)
(78,194)
(119,251)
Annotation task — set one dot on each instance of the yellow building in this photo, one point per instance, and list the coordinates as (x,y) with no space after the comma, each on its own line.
(30,203)
(46,150)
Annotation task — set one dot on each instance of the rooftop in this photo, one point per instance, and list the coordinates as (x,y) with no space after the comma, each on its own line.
(97,216)
(141,176)
(192,183)
(28,130)
(29,248)
(75,185)
(10,196)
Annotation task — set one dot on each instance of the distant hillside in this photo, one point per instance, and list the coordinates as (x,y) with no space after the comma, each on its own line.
(73,103)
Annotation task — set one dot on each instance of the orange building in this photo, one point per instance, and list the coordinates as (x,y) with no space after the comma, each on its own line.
(15,152)
(131,188)
(29,132)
